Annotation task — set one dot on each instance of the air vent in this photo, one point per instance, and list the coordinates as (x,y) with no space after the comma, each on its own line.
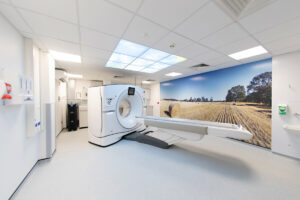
(118,76)
(241,8)
(150,80)
(96,80)
(199,66)
(60,69)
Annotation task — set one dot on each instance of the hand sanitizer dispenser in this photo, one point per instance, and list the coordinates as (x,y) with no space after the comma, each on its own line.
(282,108)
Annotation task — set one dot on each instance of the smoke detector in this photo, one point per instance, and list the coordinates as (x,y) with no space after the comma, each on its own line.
(241,8)
(172,45)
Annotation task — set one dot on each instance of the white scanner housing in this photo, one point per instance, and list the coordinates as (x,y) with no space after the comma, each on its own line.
(112,112)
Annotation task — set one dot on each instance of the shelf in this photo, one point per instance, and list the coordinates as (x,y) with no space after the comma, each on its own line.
(292,128)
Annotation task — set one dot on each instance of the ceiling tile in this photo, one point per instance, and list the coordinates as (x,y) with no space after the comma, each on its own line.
(228,64)
(184,65)
(172,38)
(219,61)
(207,20)
(144,32)
(98,40)
(93,62)
(271,15)
(285,50)
(90,52)
(280,31)
(5,1)
(61,9)
(103,16)
(208,56)
(190,72)
(13,16)
(128,4)
(68,65)
(169,13)
(225,36)
(284,45)
(256,58)
(47,26)
(62,46)
(239,45)
(192,50)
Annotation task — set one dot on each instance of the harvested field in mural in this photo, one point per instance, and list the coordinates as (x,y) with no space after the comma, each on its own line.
(253,116)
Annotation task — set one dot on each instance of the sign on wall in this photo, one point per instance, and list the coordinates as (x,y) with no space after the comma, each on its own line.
(237,95)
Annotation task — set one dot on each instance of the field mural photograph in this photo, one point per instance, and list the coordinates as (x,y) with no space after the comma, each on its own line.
(237,95)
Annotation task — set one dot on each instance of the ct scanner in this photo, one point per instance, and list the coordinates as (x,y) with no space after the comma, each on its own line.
(116,112)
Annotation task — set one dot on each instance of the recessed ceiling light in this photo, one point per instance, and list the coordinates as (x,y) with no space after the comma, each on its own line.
(154,54)
(150,70)
(159,66)
(131,56)
(172,60)
(116,65)
(130,48)
(65,56)
(174,74)
(255,51)
(73,75)
(146,82)
(120,58)
(142,62)
(134,68)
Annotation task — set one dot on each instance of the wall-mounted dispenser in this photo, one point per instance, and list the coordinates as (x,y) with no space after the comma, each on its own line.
(282,108)
(5,92)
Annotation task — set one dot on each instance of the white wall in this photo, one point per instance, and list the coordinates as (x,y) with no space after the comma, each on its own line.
(155,98)
(286,90)
(47,104)
(17,153)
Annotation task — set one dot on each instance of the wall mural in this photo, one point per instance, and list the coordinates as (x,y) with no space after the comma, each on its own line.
(238,95)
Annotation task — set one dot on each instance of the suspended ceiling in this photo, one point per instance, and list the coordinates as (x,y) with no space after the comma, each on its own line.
(202,31)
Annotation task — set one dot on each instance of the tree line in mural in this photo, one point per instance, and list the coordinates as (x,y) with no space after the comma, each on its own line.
(258,90)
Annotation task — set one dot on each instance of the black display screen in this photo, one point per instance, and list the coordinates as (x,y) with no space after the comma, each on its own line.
(131,91)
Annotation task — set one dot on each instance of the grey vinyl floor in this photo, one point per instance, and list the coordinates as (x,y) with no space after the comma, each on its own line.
(213,168)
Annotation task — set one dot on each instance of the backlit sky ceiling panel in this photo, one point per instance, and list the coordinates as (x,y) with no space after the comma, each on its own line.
(135,57)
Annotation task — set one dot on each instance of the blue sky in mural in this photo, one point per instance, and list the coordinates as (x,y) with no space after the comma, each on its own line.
(213,84)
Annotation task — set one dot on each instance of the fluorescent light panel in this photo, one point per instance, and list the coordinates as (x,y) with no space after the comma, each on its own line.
(130,48)
(173,74)
(120,58)
(146,82)
(131,56)
(142,62)
(65,56)
(116,65)
(160,66)
(73,75)
(150,70)
(172,60)
(255,51)
(155,55)
(134,68)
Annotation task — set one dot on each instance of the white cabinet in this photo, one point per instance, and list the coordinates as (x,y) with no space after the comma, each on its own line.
(83,116)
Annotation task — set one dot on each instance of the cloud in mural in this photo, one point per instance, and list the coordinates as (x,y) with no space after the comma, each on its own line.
(262,66)
(166,84)
(198,78)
